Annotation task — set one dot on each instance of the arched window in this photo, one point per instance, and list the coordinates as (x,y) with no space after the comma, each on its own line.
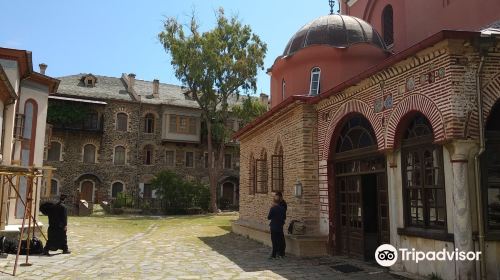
(54,152)
(149,123)
(251,175)
(119,157)
(423,180)
(261,175)
(388,25)
(315,77)
(116,188)
(277,179)
(356,133)
(89,152)
(490,174)
(54,187)
(121,122)
(148,155)
(283,89)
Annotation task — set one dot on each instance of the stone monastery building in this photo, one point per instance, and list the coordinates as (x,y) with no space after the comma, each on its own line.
(384,128)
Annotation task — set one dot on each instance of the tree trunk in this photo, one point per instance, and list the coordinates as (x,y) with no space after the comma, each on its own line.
(212,170)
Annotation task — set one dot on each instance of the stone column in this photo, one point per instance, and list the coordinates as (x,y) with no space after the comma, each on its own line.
(460,151)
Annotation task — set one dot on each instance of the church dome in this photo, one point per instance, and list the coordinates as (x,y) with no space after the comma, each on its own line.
(338,31)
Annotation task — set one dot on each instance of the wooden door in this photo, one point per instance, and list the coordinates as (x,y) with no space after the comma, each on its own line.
(87,191)
(351,216)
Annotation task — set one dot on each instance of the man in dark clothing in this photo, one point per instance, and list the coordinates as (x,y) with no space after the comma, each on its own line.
(282,203)
(58,222)
(277,218)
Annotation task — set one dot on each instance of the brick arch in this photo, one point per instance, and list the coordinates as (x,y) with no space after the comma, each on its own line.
(349,108)
(491,95)
(409,105)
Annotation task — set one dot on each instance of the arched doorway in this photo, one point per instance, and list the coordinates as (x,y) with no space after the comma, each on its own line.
(87,191)
(359,202)
(491,171)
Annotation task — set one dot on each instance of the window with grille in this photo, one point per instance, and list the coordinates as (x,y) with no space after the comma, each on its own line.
(89,152)
(261,176)
(149,123)
(121,122)
(189,159)
(54,153)
(277,179)
(423,181)
(251,176)
(170,158)
(119,157)
(183,124)
(315,77)
(388,26)
(148,155)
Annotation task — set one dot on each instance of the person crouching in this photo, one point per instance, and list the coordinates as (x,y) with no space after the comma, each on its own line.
(277,221)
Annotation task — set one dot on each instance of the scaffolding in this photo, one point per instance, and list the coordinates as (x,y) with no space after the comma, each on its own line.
(9,180)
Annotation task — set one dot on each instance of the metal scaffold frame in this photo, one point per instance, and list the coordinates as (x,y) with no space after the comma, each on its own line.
(9,178)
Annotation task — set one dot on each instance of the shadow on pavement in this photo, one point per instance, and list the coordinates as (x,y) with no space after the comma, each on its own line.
(252,256)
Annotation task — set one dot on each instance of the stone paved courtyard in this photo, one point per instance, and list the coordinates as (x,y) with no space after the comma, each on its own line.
(187,247)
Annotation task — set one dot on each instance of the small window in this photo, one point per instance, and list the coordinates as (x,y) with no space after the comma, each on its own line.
(119,158)
(228,161)
(54,153)
(149,123)
(148,155)
(170,158)
(388,26)
(90,82)
(116,188)
(89,153)
(189,159)
(315,78)
(121,122)
(54,187)
(283,90)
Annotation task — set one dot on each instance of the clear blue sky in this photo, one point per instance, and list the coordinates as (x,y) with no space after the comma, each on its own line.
(111,37)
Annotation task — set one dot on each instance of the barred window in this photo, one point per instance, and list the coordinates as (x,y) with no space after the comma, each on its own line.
(261,165)
(277,180)
(251,176)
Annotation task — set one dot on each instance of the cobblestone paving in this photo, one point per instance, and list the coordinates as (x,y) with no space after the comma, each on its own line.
(198,247)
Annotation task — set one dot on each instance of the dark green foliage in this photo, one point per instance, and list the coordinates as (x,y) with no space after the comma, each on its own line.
(180,196)
(66,113)
(248,110)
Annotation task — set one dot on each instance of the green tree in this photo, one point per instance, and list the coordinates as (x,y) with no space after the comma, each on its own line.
(214,66)
(249,109)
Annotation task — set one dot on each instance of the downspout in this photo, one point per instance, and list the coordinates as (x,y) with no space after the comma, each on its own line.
(479,199)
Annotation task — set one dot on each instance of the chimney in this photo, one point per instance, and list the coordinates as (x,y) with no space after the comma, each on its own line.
(264,99)
(156,88)
(131,81)
(43,67)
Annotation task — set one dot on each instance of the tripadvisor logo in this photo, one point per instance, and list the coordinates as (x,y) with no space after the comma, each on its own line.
(387,255)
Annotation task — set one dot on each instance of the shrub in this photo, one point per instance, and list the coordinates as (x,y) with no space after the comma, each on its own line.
(178,194)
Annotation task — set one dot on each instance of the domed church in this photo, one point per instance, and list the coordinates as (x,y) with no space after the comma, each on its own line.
(383,129)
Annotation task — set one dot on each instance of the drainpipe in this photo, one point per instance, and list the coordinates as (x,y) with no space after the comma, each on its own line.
(479,199)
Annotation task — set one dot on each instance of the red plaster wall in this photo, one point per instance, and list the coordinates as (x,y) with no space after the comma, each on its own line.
(417,20)
(337,65)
